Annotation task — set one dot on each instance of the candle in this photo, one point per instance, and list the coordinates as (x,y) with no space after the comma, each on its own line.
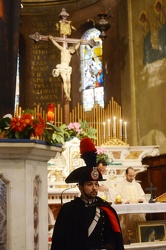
(125,130)
(109,127)
(20,112)
(104,130)
(120,128)
(118,199)
(50,114)
(114,126)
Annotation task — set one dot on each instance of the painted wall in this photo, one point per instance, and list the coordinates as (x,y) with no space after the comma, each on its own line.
(147,67)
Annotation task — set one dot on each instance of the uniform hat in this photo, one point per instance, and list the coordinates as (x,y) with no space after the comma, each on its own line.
(89,172)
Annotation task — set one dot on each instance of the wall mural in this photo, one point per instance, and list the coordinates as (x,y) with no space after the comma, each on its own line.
(149,36)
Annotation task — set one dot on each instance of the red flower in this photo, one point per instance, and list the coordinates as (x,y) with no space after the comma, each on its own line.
(38,126)
(27,119)
(17,124)
(26,124)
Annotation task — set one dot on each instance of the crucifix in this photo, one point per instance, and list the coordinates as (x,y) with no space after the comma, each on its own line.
(64,69)
(151,189)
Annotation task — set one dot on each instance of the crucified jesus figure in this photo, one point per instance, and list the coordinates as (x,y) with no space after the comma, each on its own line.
(64,69)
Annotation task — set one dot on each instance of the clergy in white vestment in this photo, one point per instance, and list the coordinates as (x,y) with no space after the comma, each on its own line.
(107,191)
(131,192)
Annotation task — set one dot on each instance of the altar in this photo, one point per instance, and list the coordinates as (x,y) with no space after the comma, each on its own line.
(146,246)
(120,158)
(138,208)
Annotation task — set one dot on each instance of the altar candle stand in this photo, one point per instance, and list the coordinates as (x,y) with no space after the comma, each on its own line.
(125,131)
(114,127)
(120,129)
(104,131)
(109,121)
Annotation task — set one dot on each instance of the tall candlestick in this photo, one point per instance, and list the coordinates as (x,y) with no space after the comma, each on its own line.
(114,126)
(109,127)
(125,130)
(120,128)
(104,130)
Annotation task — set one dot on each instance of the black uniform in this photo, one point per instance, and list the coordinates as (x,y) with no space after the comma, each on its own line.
(73,221)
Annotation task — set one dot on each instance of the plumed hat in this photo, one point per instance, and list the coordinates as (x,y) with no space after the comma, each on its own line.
(89,172)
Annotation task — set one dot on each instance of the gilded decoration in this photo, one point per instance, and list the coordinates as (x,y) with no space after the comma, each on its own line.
(134,155)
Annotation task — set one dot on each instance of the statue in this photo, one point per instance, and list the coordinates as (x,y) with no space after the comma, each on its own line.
(63,68)
(64,25)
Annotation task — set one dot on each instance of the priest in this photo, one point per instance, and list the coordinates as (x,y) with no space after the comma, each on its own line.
(130,191)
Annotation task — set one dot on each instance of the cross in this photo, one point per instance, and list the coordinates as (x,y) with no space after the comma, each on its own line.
(64,39)
(151,189)
(64,69)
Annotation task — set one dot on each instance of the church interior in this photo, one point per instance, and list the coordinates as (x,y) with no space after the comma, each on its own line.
(98,63)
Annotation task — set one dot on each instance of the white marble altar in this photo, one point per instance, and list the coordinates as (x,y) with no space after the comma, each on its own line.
(24,197)
(120,157)
(138,208)
(158,245)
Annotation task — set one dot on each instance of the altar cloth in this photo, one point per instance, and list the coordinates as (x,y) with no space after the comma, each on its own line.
(138,208)
(147,245)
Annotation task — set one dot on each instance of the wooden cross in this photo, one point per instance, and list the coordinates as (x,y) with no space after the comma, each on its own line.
(64,40)
(65,29)
(151,189)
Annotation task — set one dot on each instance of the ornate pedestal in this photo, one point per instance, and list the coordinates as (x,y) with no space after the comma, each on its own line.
(23,194)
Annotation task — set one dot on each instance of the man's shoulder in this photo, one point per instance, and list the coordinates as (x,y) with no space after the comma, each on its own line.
(72,203)
(137,184)
(101,202)
(121,183)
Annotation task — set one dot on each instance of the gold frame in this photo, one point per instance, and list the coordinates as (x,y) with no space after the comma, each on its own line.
(144,229)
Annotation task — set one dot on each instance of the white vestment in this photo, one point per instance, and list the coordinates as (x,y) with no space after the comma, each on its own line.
(130,192)
(111,193)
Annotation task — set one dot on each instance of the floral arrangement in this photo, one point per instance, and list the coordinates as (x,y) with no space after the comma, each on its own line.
(74,129)
(101,155)
(67,132)
(21,127)
(26,127)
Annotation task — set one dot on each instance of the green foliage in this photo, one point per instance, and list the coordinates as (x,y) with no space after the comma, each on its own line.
(65,133)
(4,124)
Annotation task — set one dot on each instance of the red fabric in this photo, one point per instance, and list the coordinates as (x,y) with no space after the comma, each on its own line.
(112,219)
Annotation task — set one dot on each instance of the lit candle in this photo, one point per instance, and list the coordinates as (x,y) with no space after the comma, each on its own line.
(114,126)
(104,130)
(118,199)
(50,114)
(125,130)
(109,127)
(120,128)
(19,111)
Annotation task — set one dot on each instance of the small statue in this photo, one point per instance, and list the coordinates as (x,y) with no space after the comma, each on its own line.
(64,25)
